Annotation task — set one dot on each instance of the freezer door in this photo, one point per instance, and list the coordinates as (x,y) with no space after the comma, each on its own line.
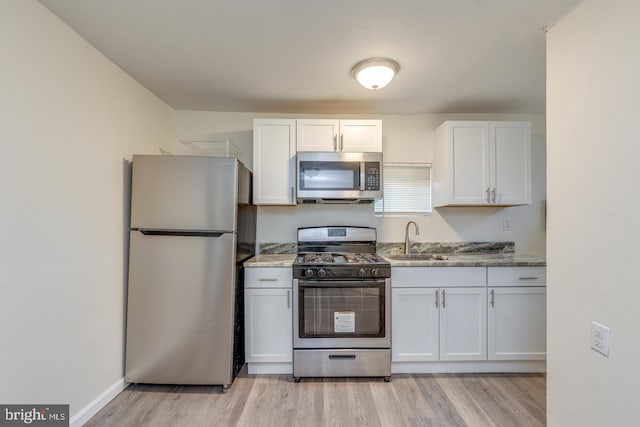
(180,309)
(184,193)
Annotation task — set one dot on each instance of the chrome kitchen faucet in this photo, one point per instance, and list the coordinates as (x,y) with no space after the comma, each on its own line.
(407,242)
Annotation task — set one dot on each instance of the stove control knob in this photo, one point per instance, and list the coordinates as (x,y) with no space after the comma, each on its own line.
(322,273)
(374,271)
(308,272)
(362,272)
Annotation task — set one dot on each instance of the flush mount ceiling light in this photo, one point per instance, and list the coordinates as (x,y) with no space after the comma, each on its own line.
(375,73)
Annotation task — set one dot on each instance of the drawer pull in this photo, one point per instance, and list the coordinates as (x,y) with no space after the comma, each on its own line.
(527,278)
(342,356)
(267,280)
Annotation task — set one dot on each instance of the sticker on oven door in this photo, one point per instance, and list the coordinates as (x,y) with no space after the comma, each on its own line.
(344,321)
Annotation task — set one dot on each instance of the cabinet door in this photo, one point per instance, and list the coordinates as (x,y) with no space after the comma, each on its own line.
(463,324)
(268,325)
(414,324)
(360,136)
(469,156)
(517,323)
(274,165)
(317,135)
(511,162)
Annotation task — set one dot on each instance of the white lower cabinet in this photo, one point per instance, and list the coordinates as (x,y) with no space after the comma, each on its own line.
(438,324)
(268,320)
(465,326)
(517,313)
(463,330)
(414,324)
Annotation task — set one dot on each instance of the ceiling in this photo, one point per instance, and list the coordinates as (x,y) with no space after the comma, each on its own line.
(295,56)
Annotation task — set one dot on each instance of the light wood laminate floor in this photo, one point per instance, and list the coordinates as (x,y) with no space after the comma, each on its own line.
(446,400)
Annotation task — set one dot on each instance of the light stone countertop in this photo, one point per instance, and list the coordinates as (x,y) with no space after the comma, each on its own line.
(448,260)
(271,260)
(471,260)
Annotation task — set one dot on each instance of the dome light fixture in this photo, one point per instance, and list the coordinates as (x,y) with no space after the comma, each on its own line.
(375,73)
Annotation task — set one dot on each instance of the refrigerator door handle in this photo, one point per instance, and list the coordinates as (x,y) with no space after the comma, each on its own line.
(186,233)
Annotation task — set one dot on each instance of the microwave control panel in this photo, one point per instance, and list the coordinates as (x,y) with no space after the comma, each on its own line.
(372,176)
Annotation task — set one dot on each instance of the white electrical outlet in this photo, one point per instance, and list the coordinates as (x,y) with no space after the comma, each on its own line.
(506,224)
(600,338)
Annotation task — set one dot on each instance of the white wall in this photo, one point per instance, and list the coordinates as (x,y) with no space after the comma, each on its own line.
(69,120)
(406,138)
(593,64)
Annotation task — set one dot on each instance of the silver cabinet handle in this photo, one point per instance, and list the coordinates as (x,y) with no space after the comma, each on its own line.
(493,192)
(527,278)
(341,142)
(288,299)
(443,301)
(437,298)
(335,142)
(265,279)
(493,297)
(488,195)
(292,199)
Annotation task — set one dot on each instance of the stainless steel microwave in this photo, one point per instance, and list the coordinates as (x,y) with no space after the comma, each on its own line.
(329,177)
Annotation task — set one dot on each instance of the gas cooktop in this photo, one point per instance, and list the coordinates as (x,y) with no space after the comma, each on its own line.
(336,266)
(321,258)
(335,253)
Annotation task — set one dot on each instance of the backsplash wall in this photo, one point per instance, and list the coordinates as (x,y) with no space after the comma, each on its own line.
(405,138)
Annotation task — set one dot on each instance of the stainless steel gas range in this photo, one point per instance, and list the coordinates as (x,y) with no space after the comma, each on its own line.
(341,305)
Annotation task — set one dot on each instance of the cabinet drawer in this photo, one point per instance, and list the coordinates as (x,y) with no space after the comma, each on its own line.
(412,277)
(517,276)
(268,277)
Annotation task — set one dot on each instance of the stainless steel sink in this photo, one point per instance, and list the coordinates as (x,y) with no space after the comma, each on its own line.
(417,257)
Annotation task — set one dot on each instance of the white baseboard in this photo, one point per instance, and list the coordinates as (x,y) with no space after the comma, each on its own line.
(270,368)
(523,366)
(84,414)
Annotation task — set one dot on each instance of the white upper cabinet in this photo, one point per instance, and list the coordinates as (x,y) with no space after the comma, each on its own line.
(361,136)
(317,135)
(349,136)
(274,161)
(479,163)
(510,158)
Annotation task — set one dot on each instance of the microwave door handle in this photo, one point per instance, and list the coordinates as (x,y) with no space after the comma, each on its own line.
(362,177)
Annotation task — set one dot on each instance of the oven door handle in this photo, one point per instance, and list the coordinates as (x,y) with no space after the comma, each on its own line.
(329,283)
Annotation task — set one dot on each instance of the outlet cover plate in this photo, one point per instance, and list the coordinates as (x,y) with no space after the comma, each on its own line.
(600,338)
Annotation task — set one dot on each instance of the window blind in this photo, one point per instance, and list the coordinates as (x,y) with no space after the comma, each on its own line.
(406,190)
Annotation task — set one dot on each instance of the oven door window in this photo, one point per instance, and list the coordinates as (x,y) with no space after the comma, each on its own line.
(341,310)
(329,176)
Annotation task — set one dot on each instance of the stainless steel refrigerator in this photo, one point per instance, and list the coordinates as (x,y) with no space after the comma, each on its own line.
(192,226)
